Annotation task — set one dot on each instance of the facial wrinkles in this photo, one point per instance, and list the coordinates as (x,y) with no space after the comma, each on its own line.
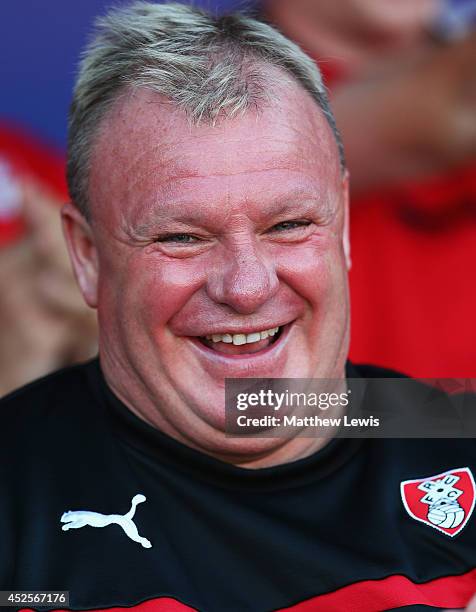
(249,279)
(229,183)
(243,277)
(153,183)
(175,159)
(239,277)
(238,274)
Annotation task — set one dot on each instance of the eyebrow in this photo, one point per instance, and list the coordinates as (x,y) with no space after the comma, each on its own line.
(298,201)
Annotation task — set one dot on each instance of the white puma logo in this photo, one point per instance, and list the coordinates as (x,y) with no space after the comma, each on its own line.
(79,518)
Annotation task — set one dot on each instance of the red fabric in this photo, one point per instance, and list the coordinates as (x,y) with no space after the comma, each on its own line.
(393,592)
(365,596)
(161,604)
(29,158)
(332,72)
(413,286)
(11,229)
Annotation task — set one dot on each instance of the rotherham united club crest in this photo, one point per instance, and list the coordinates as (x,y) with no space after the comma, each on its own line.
(445,501)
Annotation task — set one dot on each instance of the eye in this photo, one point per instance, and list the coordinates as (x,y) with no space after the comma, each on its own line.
(178,238)
(289,225)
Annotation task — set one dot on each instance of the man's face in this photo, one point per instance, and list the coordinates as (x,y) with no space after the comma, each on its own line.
(208,240)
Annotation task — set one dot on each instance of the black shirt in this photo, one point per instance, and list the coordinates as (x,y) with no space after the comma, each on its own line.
(329,532)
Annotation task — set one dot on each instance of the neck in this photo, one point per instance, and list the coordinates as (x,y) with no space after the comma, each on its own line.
(291,450)
(247,452)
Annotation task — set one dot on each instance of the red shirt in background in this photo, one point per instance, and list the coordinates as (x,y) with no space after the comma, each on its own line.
(413,278)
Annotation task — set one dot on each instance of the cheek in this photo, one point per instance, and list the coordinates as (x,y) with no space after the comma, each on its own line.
(315,270)
(148,288)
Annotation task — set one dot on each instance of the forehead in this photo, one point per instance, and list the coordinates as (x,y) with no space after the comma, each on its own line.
(147,150)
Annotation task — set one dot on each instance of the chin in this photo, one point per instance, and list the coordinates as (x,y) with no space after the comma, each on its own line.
(241,450)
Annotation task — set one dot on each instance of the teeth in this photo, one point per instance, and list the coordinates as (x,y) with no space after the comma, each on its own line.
(255,337)
(239,339)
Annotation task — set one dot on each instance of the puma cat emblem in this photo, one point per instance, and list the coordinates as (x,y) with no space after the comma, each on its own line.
(75,519)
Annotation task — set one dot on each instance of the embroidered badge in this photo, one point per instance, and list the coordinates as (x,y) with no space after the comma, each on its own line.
(75,519)
(445,501)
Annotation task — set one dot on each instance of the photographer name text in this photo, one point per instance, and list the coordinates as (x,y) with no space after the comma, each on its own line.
(307,421)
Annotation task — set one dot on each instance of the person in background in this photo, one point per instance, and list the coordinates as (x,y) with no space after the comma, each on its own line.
(403,88)
(43,322)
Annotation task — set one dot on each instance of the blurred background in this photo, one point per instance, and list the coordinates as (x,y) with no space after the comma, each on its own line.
(402,81)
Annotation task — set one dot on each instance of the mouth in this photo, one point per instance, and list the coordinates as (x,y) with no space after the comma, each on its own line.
(242,344)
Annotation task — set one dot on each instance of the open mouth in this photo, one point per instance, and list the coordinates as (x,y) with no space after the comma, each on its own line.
(241,344)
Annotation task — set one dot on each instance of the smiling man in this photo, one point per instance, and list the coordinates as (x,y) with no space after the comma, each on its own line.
(207,263)
(208,227)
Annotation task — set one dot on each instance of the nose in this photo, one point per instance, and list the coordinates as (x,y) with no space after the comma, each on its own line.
(242,279)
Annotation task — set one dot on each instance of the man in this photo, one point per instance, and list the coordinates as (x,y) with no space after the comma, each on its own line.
(208,227)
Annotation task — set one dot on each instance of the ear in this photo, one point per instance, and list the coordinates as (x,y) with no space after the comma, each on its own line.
(82,252)
(346,230)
